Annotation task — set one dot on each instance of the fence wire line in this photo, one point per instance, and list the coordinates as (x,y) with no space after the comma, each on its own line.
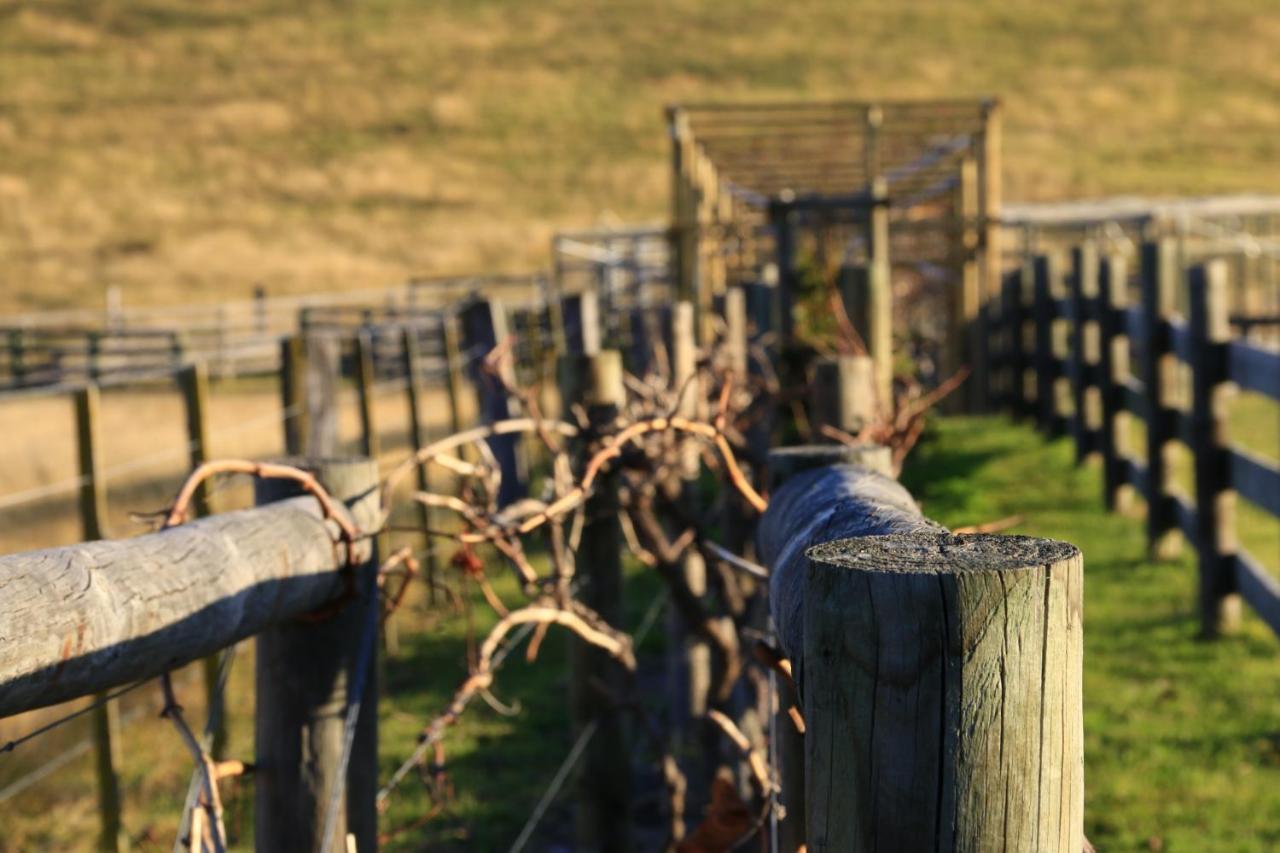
(70,484)
(138,463)
(10,746)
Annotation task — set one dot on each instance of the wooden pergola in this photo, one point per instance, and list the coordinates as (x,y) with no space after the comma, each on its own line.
(907,186)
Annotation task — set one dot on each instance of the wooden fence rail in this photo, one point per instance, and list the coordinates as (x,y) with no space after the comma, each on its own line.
(1104,337)
(918,719)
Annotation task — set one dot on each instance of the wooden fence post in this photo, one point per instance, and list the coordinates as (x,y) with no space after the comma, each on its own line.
(782,219)
(604,782)
(1113,373)
(1083,355)
(365,390)
(412,355)
(1159,377)
(1014,360)
(106,715)
(843,393)
(1210,329)
(697,655)
(292,369)
(1047,274)
(18,357)
(453,365)
(323,372)
(967,338)
(921,721)
(580,313)
(484,326)
(193,380)
(783,464)
(880,284)
(581,340)
(308,674)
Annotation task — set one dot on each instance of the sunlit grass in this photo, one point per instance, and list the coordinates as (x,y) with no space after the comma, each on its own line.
(1182,736)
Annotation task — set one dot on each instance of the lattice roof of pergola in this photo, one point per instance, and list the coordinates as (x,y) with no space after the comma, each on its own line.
(762,152)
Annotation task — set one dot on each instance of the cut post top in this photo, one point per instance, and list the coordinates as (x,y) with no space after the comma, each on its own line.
(941,554)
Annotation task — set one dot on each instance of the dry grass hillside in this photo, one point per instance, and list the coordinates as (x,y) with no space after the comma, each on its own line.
(186,151)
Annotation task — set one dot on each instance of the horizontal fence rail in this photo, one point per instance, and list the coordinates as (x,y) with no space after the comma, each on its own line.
(1103,338)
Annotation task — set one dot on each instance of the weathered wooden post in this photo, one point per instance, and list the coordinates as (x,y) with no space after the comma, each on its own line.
(1159,378)
(453,365)
(1047,276)
(697,653)
(580,313)
(1083,355)
(581,341)
(843,394)
(308,675)
(365,391)
(880,285)
(484,325)
(18,357)
(292,399)
(1015,312)
(967,333)
(1113,374)
(412,355)
(785,463)
(942,697)
(1211,395)
(322,373)
(193,381)
(260,309)
(604,782)
(93,525)
(782,219)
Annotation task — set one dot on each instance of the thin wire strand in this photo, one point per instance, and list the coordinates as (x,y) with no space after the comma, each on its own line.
(61,721)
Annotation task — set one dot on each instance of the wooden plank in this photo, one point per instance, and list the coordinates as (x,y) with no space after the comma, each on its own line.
(1254,368)
(1046,274)
(1180,344)
(1209,330)
(1014,315)
(1083,357)
(1184,514)
(942,694)
(1113,372)
(1159,380)
(308,675)
(1134,323)
(1259,588)
(1256,479)
(1136,473)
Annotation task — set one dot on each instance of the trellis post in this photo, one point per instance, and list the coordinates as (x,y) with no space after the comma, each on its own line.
(93,524)
(309,675)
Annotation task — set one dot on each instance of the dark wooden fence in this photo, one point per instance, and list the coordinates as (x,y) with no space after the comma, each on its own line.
(1075,354)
